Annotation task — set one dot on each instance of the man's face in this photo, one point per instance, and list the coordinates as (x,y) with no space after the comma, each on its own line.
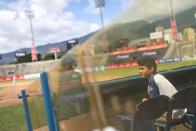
(64,67)
(145,71)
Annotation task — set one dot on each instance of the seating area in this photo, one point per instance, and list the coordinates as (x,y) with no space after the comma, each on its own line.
(27,68)
(154,108)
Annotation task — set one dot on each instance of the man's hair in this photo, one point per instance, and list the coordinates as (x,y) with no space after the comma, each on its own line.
(69,61)
(148,62)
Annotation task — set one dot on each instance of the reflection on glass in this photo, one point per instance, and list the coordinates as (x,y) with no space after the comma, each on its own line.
(101,82)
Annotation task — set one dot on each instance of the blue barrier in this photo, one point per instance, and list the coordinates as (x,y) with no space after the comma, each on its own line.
(52,122)
(172,59)
(24,96)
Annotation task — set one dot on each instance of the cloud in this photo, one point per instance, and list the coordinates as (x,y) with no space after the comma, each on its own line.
(91,9)
(2,39)
(121,4)
(52,22)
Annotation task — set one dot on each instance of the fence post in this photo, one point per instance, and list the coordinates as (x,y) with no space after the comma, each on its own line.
(52,123)
(24,96)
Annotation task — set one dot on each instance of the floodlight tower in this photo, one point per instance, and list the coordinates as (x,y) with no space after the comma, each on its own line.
(30,15)
(173,27)
(100,4)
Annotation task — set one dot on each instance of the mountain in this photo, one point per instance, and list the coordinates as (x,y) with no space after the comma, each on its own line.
(129,30)
(183,20)
(141,28)
(42,49)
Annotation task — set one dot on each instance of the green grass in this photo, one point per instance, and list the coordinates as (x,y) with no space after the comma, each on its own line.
(123,72)
(132,71)
(174,65)
(37,112)
(12,118)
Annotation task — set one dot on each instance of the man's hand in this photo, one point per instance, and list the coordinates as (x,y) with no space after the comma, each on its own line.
(144,99)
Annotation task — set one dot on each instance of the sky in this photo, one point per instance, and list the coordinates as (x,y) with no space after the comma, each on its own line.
(59,20)
(53,21)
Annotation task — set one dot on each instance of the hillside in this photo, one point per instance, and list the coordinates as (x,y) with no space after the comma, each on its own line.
(141,28)
(183,19)
(127,30)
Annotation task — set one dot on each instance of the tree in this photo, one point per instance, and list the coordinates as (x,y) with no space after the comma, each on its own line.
(26,58)
(61,54)
(49,56)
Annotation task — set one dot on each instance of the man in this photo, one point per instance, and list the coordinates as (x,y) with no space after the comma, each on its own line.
(157,85)
(71,99)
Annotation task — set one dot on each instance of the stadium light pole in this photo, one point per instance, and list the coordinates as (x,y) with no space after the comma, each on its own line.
(30,15)
(100,4)
(173,27)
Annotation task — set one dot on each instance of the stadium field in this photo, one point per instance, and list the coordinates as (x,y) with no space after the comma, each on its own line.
(132,71)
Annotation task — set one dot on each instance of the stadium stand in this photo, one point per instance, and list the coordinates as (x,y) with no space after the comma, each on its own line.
(27,68)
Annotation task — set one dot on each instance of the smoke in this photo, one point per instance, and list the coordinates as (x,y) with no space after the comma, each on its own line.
(154,9)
